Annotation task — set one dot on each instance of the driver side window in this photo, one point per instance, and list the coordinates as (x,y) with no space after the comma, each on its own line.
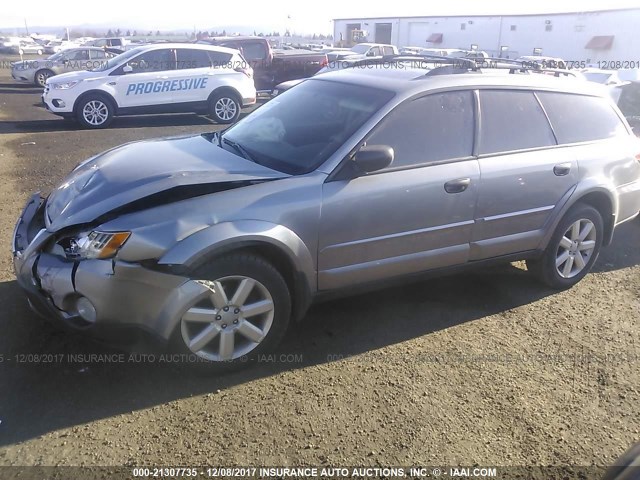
(428,129)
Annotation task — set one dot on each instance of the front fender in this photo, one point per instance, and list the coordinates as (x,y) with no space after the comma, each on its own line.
(226,236)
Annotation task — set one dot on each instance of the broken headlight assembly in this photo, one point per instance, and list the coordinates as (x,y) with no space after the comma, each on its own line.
(94,244)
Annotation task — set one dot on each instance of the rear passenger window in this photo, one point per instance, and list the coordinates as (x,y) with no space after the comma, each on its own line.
(428,129)
(579,118)
(512,120)
(192,58)
(388,50)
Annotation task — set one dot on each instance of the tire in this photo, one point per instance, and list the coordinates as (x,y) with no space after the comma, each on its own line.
(41,77)
(213,319)
(572,250)
(95,111)
(224,108)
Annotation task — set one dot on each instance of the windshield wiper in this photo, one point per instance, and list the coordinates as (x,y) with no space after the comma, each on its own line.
(240,149)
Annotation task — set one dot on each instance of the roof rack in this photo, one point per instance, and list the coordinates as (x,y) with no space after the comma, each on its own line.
(492,63)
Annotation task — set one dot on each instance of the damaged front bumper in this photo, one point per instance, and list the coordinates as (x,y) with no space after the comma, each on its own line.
(120,294)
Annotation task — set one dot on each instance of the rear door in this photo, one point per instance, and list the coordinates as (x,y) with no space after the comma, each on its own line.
(151,82)
(524,174)
(194,74)
(416,214)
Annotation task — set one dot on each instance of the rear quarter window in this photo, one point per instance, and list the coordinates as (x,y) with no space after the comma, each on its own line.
(580,118)
(220,59)
(512,120)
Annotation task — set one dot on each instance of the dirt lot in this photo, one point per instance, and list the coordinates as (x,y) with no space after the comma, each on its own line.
(487,368)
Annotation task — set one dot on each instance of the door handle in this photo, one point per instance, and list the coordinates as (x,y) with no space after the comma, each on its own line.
(457,186)
(562,169)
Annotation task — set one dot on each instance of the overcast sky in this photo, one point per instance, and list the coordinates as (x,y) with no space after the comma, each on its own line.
(306,15)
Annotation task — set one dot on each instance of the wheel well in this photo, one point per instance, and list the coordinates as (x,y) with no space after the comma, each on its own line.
(98,93)
(295,280)
(229,91)
(601,202)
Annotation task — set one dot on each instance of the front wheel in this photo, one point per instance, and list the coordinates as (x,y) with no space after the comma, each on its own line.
(224,108)
(244,312)
(572,250)
(95,111)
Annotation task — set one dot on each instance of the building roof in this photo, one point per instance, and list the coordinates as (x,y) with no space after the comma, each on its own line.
(443,13)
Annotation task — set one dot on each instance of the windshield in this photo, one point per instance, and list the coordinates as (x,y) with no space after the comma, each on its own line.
(117,60)
(597,77)
(301,128)
(362,49)
(55,56)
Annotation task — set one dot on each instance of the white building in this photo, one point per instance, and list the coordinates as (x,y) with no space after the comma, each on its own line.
(604,35)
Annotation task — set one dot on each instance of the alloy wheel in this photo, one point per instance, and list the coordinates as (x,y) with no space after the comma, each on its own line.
(225,108)
(95,112)
(576,248)
(230,320)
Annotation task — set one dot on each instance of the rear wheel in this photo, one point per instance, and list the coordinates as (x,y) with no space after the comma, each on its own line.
(224,108)
(95,111)
(572,250)
(245,312)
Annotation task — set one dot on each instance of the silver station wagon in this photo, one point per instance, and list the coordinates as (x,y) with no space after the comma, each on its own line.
(73,59)
(214,243)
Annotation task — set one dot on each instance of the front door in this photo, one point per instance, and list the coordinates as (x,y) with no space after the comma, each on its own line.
(151,81)
(413,216)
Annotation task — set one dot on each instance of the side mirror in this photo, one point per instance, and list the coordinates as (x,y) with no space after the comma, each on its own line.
(371,158)
(127,69)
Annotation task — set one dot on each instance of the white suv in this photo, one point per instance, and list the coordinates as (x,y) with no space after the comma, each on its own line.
(163,78)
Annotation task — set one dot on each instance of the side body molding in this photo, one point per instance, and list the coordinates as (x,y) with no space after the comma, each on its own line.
(227,236)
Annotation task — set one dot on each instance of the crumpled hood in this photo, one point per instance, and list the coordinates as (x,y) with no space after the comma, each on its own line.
(139,170)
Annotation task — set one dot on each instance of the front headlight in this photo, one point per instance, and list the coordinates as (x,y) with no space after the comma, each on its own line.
(65,85)
(95,244)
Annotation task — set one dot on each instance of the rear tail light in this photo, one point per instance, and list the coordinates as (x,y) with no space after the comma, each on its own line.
(324,62)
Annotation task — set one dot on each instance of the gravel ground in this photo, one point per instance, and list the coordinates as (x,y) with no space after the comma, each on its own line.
(488,368)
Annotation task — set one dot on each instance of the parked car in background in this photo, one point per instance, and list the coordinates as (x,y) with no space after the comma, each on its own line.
(374,49)
(216,242)
(162,78)
(74,59)
(444,52)
(55,46)
(110,42)
(271,68)
(609,78)
(29,48)
(10,44)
